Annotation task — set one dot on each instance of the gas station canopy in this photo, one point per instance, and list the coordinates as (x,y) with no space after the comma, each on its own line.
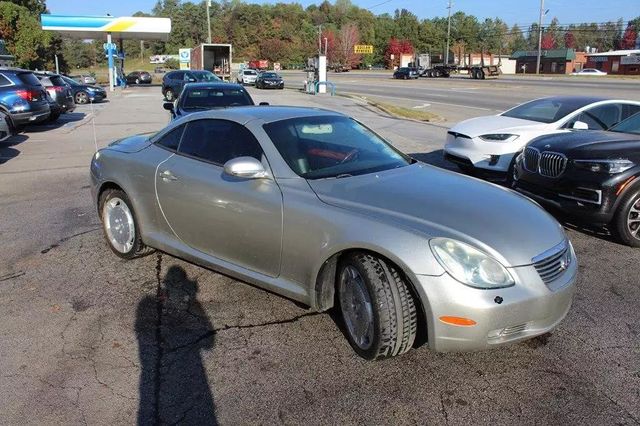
(95,27)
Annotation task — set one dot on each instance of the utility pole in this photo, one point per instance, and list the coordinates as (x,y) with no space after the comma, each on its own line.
(540,36)
(319,39)
(326,43)
(446,53)
(208,22)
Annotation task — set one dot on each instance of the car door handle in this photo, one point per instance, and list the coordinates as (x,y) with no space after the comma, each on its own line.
(168,176)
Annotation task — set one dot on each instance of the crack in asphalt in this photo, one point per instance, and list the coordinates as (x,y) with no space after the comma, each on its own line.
(11,276)
(65,239)
(158,340)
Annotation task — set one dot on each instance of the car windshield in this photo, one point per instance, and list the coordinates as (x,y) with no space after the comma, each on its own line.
(29,78)
(215,98)
(269,75)
(205,76)
(331,147)
(630,125)
(547,110)
(250,72)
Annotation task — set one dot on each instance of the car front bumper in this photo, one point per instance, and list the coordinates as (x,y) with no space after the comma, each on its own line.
(478,154)
(502,316)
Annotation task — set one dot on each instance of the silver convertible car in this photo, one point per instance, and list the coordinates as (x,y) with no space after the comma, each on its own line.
(312,205)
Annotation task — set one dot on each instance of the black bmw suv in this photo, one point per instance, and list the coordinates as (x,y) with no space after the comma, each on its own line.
(592,175)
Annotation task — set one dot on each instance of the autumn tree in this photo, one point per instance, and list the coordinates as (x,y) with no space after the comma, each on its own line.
(548,42)
(348,37)
(569,40)
(629,38)
(395,49)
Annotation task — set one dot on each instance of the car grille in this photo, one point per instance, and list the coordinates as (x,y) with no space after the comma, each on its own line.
(547,163)
(553,263)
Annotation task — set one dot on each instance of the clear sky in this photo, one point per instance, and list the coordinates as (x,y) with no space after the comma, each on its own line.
(512,11)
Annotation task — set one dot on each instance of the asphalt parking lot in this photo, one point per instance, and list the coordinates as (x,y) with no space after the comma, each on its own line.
(86,338)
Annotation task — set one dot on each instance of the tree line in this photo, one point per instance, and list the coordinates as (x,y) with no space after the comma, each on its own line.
(289,33)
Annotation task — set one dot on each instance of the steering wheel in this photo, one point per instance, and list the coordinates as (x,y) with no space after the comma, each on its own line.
(351,155)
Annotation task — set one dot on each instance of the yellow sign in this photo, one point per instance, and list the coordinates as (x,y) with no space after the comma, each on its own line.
(363,48)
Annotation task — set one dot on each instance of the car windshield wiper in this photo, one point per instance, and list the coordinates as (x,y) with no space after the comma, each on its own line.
(196,107)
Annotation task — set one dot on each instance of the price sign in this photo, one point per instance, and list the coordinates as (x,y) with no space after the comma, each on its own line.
(363,49)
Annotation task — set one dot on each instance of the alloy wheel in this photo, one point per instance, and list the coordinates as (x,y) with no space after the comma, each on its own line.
(356,306)
(633,219)
(82,98)
(119,225)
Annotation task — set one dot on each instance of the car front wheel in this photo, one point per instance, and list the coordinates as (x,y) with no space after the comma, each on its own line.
(82,98)
(377,307)
(119,224)
(626,221)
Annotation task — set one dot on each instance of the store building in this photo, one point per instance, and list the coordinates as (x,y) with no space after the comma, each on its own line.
(552,61)
(616,61)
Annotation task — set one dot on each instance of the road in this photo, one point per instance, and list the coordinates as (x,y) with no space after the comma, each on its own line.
(459,97)
(87,338)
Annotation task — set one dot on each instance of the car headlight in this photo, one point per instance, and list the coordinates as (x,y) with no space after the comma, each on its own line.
(604,166)
(469,265)
(499,137)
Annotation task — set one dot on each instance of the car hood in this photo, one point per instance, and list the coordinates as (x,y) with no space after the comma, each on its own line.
(589,143)
(441,203)
(131,144)
(496,124)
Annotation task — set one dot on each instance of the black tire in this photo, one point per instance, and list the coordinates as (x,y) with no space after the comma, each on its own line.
(81,97)
(138,246)
(629,208)
(169,95)
(394,320)
(510,179)
(53,118)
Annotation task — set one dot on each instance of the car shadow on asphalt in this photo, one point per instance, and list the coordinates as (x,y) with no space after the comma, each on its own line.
(435,158)
(172,330)
(69,117)
(7,152)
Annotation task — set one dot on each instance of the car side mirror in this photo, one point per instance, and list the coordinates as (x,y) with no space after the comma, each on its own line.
(168,106)
(580,125)
(264,103)
(245,167)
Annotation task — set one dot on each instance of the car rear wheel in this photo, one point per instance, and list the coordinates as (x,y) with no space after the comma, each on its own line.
(169,95)
(377,307)
(626,222)
(82,97)
(119,224)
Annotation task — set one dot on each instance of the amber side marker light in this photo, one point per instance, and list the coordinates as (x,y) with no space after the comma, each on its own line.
(624,185)
(459,321)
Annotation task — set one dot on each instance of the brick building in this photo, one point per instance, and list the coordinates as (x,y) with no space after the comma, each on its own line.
(552,61)
(616,61)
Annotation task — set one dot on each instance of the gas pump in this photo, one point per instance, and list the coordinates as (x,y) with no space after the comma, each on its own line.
(316,74)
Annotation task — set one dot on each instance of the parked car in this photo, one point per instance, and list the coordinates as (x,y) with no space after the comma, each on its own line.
(60,93)
(406,73)
(269,80)
(138,77)
(22,97)
(589,71)
(488,145)
(174,81)
(84,93)
(202,96)
(593,176)
(311,204)
(247,76)
(84,79)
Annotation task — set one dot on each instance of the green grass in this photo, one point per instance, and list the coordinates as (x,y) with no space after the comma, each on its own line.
(401,112)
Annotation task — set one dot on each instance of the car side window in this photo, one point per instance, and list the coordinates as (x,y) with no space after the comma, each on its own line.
(177,76)
(188,76)
(628,110)
(172,139)
(598,118)
(4,81)
(218,141)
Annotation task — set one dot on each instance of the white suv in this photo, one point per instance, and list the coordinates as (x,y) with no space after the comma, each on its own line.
(247,77)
